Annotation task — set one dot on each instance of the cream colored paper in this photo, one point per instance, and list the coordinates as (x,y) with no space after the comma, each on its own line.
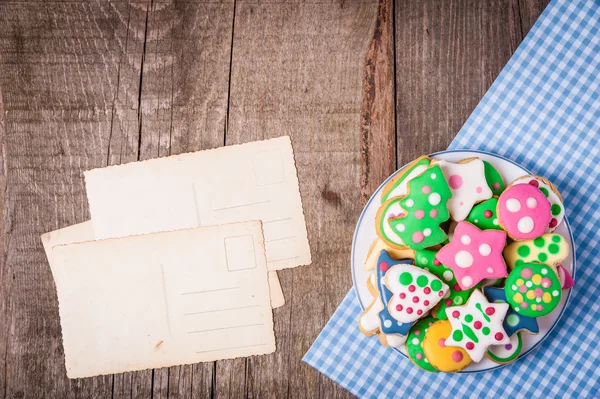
(163,299)
(83,232)
(253,181)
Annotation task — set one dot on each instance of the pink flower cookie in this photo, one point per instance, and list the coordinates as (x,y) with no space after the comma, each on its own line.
(523,211)
(477,325)
(474,255)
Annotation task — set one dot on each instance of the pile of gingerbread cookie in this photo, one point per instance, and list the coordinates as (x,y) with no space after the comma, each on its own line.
(464,263)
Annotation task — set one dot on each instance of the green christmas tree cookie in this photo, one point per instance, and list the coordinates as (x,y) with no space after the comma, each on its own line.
(425,207)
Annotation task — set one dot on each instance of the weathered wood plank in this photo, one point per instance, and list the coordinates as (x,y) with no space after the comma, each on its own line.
(297,70)
(59,77)
(185,84)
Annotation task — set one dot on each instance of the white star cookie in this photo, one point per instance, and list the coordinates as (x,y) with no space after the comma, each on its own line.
(477,325)
(468,185)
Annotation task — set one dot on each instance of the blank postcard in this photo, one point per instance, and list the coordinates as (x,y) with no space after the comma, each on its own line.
(163,299)
(252,181)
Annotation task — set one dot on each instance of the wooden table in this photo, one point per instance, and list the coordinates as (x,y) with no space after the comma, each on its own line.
(95,83)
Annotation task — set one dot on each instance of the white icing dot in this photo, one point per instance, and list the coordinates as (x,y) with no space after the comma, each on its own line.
(555,293)
(476,221)
(400,227)
(485,249)
(531,203)
(544,271)
(427,232)
(427,361)
(490,270)
(409,203)
(525,225)
(538,299)
(529,284)
(415,341)
(495,222)
(514,287)
(434,199)
(399,324)
(448,275)
(517,309)
(387,323)
(463,259)
(433,176)
(513,205)
(467,281)
(465,239)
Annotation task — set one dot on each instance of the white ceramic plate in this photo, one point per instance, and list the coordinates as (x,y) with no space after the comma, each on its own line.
(365,235)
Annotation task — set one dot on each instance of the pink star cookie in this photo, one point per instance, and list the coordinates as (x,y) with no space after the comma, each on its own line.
(474,255)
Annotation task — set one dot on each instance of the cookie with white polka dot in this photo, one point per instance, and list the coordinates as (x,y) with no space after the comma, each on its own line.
(483,215)
(414,344)
(557,207)
(523,211)
(533,289)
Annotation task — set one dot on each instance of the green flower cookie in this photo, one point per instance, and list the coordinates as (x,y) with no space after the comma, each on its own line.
(414,344)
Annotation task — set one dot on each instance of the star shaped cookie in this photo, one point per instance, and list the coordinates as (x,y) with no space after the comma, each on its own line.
(468,186)
(474,255)
(513,322)
(477,325)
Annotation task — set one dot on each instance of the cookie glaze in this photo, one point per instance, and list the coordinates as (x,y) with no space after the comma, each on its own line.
(425,207)
(533,289)
(549,249)
(506,353)
(389,322)
(387,211)
(513,321)
(468,185)
(474,255)
(440,355)
(493,178)
(412,291)
(556,205)
(477,325)
(455,296)
(565,278)
(398,185)
(484,216)
(523,211)
(414,344)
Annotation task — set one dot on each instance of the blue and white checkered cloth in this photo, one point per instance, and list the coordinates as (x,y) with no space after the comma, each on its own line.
(542,112)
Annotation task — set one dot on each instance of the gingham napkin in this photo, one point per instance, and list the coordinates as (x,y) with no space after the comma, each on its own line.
(542,112)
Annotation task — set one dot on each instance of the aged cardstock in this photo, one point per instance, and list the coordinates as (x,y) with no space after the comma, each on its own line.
(252,181)
(163,299)
(83,232)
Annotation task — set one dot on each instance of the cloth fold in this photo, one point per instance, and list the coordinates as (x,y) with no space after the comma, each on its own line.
(543,112)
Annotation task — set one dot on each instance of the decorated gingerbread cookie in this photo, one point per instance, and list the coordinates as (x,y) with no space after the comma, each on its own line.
(507,353)
(550,249)
(441,354)
(398,185)
(533,289)
(424,209)
(372,285)
(414,344)
(455,296)
(549,190)
(513,322)
(523,211)
(493,178)
(388,211)
(474,255)
(468,185)
(477,325)
(484,216)
(565,278)
(379,245)
(412,291)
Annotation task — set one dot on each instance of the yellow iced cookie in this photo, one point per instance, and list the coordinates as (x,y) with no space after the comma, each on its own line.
(444,358)
(549,249)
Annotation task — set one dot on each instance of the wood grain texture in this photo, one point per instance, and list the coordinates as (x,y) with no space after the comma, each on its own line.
(88,84)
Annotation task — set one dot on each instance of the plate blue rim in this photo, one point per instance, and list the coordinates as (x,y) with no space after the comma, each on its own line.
(566,221)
